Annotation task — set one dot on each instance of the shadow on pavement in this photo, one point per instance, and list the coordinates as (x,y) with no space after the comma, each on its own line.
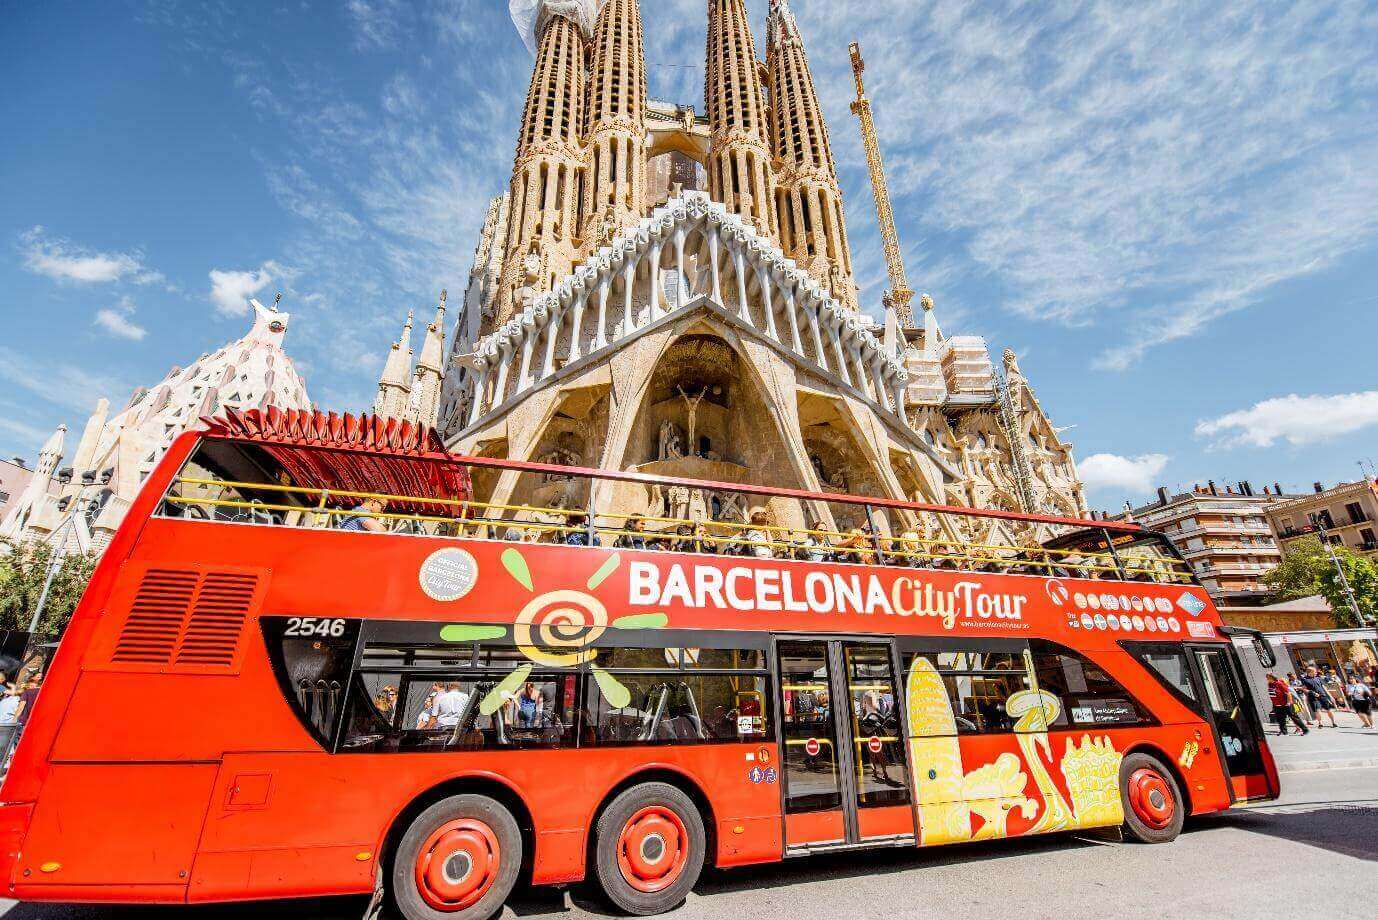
(1348,827)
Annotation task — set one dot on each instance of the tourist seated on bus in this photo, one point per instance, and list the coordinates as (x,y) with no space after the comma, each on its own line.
(634,534)
(857,547)
(364,517)
(759,537)
(705,541)
(684,540)
(809,548)
(527,708)
(909,550)
(579,534)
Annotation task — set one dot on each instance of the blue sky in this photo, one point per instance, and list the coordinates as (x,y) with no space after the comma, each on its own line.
(1170,210)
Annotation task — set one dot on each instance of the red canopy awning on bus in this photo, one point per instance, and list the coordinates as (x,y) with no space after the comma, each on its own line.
(354,454)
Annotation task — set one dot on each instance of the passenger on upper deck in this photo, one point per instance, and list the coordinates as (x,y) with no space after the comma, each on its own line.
(364,517)
(759,537)
(578,534)
(635,535)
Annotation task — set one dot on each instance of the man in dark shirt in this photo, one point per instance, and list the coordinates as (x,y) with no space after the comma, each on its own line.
(1317,696)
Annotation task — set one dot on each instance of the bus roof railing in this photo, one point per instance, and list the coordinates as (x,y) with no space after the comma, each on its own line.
(369,434)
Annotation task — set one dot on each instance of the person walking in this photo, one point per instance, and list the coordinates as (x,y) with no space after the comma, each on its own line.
(1360,699)
(1317,696)
(1280,695)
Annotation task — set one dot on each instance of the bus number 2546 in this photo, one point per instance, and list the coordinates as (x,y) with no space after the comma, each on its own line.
(314,626)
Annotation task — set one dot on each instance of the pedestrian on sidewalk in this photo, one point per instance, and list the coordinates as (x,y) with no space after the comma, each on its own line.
(1361,699)
(1299,699)
(1317,696)
(1280,694)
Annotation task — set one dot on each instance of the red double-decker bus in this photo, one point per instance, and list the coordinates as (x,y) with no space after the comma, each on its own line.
(313,662)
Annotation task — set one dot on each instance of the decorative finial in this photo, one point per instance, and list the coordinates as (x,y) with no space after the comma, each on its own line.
(443,294)
(277,300)
(926,302)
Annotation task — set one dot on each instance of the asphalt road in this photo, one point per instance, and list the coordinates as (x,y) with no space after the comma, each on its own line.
(1314,852)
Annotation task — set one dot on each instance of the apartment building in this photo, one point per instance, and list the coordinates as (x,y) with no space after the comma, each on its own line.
(14,476)
(1348,512)
(1224,534)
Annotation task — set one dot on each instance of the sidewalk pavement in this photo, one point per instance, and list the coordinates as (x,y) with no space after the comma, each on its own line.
(1351,745)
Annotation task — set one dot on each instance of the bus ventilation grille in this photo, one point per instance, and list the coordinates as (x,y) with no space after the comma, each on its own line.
(186,618)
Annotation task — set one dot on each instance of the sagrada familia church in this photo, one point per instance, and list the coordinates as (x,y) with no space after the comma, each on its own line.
(672,292)
(657,290)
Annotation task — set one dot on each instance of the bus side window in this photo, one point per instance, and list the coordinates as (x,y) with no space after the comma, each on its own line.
(1089,696)
(675,707)
(978,685)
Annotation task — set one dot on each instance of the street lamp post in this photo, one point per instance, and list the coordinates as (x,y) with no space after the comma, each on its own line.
(1340,572)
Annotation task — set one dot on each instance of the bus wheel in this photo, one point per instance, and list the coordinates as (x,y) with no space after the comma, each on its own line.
(651,846)
(1153,806)
(459,860)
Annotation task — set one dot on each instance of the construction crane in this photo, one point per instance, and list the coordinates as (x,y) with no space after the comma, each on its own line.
(899,295)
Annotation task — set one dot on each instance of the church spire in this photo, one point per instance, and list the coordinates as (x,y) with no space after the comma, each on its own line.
(545,175)
(615,148)
(394,387)
(430,369)
(740,174)
(813,230)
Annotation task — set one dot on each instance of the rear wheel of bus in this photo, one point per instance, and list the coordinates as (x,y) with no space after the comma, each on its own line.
(650,848)
(458,860)
(1154,809)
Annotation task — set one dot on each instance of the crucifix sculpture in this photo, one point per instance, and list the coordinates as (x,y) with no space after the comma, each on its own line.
(693,404)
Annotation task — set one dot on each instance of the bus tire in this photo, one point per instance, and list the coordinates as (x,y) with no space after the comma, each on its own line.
(650,848)
(459,860)
(1154,808)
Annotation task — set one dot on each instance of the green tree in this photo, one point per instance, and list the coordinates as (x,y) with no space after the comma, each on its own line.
(23,568)
(1308,569)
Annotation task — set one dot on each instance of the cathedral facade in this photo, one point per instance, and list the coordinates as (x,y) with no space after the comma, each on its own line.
(673,293)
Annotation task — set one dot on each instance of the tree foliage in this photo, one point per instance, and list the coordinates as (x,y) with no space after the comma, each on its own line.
(1307,570)
(23,568)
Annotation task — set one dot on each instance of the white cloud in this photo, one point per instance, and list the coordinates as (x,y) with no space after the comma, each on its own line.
(231,290)
(1298,420)
(377,23)
(62,260)
(1147,168)
(1134,475)
(118,321)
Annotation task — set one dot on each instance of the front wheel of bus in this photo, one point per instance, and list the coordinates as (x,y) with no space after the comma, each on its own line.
(651,846)
(458,860)
(1154,810)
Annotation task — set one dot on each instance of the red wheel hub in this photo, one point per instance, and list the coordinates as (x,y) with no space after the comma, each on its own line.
(1151,797)
(457,864)
(652,848)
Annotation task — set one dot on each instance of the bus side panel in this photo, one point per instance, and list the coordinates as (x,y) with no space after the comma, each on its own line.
(114,825)
(306,824)
(176,717)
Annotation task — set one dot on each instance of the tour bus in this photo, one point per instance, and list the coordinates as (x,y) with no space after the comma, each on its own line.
(313,662)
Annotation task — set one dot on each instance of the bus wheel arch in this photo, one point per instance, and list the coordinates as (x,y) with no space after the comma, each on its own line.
(1157,753)
(658,774)
(1155,797)
(474,784)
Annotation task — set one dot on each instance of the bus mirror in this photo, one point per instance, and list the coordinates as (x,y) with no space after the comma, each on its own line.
(1266,656)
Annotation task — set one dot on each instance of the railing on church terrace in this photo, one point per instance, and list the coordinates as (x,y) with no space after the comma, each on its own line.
(278,504)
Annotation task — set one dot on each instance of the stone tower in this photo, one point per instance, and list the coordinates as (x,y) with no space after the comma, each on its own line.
(740,174)
(424,407)
(808,198)
(394,387)
(545,177)
(615,145)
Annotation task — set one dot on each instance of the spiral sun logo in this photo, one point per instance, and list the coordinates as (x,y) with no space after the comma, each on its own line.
(557,629)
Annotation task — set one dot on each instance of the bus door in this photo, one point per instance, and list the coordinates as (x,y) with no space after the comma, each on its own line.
(844,759)
(1238,733)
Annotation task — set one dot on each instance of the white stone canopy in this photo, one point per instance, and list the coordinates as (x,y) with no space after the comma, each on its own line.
(628,287)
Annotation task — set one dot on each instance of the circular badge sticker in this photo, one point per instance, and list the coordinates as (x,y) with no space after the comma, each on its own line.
(448,574)
(812,747)
(874,745)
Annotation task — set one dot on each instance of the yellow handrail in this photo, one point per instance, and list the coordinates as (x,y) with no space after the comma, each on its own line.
(478,517)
